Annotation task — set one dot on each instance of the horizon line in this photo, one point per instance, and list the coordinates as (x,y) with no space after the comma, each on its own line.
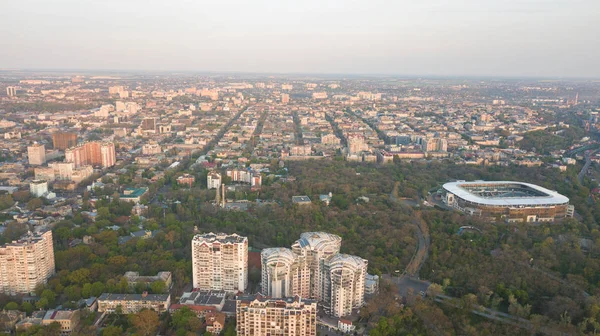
(327,74)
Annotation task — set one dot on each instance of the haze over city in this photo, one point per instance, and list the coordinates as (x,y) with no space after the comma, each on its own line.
(554,38)
(301,168)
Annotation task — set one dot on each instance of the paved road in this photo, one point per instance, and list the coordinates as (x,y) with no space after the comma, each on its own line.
(406,283)
(222,132)
(586,166)
(424,240)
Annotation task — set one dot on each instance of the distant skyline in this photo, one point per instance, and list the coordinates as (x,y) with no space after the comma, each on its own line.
(508,38)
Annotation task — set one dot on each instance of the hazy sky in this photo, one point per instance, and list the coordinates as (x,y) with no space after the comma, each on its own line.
(405,37)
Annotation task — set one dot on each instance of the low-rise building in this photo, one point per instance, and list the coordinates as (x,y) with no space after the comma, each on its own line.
(133,194)
(133,303)
(186,179)
(301,200)
(346,326)
(151,149)
(206,298)
(215,322)
(371,284)
(67,319)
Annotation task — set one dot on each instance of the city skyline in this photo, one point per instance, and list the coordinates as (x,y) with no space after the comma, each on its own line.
(524,38)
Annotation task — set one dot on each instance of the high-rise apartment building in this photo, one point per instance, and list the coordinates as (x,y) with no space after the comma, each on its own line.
(356,144)
(257,316)
(11,91)
(38,188)
(92,153)
(282,275)
(220,262)
(312,249)
(314,268)
(344,283)
(435,145)
(64,140)
(36,154)
(148,124)
(285,98)
(26,263)
(213,180)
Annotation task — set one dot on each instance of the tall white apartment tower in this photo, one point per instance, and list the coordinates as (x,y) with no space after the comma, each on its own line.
(213,180)
(312,249)
(26,263)
(344,283)
(281,276)
(220,262)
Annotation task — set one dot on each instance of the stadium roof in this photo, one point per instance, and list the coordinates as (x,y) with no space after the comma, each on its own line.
(550,198)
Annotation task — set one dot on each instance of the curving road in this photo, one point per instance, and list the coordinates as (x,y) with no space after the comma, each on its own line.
(586,166)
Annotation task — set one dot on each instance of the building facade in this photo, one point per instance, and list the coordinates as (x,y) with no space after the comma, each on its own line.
(64,140)
(67,319)
(215,322)
(435,145)
(213,180)
(220,262)
(257,316)
(93,153)
(38,188)
(25,263)
(282,275)
(312,249)
(133,303)
(36,154)
(186,179)
(344,283)
(151,149)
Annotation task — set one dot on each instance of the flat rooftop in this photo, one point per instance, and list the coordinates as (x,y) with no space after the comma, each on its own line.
(505,193)
(203,298)
(133,297)
(300,199)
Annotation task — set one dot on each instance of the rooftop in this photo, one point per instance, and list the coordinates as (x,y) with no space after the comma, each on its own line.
(220,238)
(280,252)
(133,192)
(203,298)
(260,298)
(318,239)
(300,199)
(349,260)
(59,314)
(133,297)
